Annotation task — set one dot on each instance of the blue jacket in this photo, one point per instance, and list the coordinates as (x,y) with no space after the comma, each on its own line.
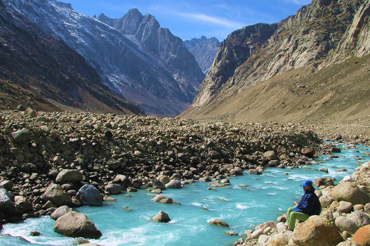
(309,203)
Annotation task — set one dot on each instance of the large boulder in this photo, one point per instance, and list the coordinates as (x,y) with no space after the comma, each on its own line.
(59,212)
(348,191)
(164,199)
(161,217)
(57,195)
(323,181)
(318,231)
(362,236)
(68,175)
(89,196)
(74,224)
(6,201)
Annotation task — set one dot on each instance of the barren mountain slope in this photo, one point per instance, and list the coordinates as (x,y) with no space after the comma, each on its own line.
(35,66)
(337,94)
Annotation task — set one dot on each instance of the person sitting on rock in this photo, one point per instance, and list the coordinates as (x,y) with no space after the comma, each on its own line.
(307,206)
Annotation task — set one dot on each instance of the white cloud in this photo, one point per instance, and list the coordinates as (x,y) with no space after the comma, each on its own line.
(299,2)
(209,19)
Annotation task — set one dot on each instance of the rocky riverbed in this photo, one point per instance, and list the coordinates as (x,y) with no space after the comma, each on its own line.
(54,159)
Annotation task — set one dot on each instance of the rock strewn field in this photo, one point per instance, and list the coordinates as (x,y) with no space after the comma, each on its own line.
(47,157)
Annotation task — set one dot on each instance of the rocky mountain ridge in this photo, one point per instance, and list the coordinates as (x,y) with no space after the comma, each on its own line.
(124,67)
(36,67)
(160,44)
(318,35)
(300,40)
(204,51)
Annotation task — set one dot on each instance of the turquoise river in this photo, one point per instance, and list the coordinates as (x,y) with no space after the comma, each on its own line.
(265,198)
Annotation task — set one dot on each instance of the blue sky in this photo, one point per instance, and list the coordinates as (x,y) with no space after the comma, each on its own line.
(194,18)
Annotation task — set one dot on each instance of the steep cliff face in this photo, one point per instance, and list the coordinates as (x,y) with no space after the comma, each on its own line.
(161,45)
(122,65)
(356,40)
(257,53)
(42,67)
(204,50)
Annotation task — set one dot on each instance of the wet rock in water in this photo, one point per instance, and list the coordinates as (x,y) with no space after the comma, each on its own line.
(74,224)
(309,152)
(19,136)
(161,217)
(317,231)
(59,212)
(173,184)
(323,181)
(231,233)
(348,191)
(35,233)
(164,199)
(255,171)
(89,196)
(112,188)
(324,170)
(68,175)
(6,201)
(218,222)
(57,195)
(362,236)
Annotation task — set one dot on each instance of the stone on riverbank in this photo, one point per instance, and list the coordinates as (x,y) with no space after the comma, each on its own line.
(57,195)
(112,188)
(362,236)
(89,196)
(68,175)
(6,201)
(19,136)
(74,224)
(348,191)
(161,217)
(316,231)
(173,184)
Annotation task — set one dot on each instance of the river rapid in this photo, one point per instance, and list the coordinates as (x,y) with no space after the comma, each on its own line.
(249,201)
